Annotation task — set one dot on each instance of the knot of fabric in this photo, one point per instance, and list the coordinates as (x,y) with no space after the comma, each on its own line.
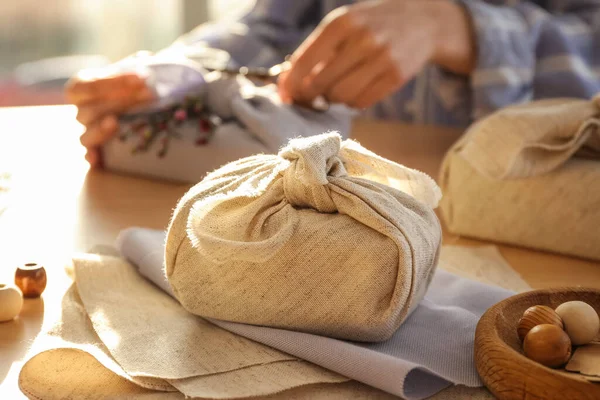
(313,160)
(532,139)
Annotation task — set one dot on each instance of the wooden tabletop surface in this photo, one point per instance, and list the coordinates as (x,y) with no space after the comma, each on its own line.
(55,207)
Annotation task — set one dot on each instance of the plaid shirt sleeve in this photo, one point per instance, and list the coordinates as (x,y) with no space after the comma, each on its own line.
(534,49)
(271,30)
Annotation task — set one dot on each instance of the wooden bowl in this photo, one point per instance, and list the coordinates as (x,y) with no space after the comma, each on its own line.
(499,357)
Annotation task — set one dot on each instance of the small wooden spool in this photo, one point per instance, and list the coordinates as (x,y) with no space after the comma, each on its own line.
(499,357)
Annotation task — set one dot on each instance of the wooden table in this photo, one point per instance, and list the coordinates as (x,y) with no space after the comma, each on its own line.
(56,207)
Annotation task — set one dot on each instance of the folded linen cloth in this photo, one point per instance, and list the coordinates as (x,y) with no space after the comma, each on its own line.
(528,175)
(145,337)
(431,351)
(483,264)
(325,237)
(254,119)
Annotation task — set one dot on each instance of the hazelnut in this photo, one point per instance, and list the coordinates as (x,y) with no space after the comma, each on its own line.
(581,321)
(547,344)
(537,315)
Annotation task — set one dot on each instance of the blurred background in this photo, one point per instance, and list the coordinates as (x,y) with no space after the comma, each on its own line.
(43,42)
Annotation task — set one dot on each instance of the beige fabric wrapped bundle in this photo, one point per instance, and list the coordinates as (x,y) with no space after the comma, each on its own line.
(325,237)
(529,175)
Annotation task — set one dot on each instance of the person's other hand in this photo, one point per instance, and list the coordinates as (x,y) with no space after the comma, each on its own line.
(100,100)
(360,54)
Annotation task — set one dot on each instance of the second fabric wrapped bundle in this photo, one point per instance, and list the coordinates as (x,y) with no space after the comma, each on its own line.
(529,175)
(326,237)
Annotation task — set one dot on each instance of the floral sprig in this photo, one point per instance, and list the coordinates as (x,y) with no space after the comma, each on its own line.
(162,126)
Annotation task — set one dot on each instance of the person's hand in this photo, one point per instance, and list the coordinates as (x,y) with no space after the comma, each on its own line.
(100,100)
(360,54)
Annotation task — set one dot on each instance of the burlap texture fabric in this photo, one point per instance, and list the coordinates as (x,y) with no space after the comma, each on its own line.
(483,264)
(74,374)
(114,328)
(325,237)
(528,175)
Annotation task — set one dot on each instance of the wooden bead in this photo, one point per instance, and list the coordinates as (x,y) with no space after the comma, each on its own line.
(31,279)
(581,321)
(11,301)
(537,315)
(548,344)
